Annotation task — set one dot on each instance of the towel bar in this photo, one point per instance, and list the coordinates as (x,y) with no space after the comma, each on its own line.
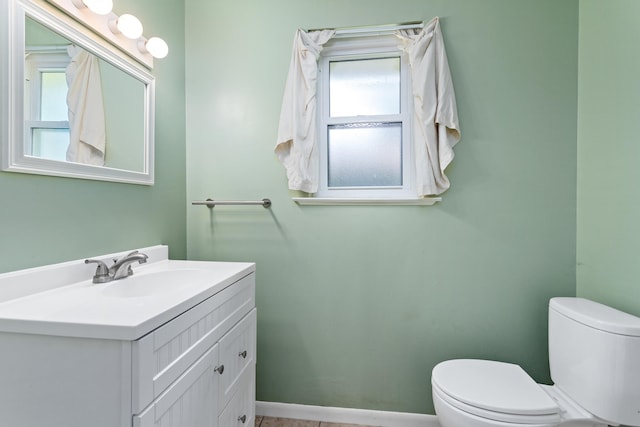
(210,203)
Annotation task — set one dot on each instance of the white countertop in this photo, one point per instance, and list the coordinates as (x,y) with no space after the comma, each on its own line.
(85,309)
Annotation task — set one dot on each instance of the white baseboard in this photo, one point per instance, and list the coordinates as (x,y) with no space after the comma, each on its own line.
(345,415)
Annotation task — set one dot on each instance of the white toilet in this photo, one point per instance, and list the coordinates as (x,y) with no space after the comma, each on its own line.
(594,355)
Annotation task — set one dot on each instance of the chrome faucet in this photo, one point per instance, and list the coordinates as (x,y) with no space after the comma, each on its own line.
(120,269)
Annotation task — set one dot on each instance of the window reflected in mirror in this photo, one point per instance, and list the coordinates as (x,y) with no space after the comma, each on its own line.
(46,114)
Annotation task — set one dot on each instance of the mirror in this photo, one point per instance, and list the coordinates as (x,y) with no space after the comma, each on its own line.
(72,104)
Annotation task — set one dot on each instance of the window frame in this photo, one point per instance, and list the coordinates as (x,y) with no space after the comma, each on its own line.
(361,48)
(39,61)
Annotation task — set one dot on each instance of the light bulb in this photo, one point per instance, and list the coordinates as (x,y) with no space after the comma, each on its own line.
(156,47)
(129,26)
(99,7)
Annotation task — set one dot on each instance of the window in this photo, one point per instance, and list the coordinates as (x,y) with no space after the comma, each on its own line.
(347,132)
(364,121)
(46,113)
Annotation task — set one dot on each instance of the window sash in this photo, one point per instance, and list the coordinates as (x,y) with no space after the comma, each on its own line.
(364,87)
(381,47)
(32,125)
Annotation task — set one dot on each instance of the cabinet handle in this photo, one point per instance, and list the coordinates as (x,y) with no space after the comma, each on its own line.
(243,354)
(219,369)
(242,419)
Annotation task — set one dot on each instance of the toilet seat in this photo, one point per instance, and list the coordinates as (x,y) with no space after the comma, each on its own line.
(494,390)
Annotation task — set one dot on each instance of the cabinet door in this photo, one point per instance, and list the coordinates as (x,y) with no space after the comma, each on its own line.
(237,355)
(240,412)
(190,402)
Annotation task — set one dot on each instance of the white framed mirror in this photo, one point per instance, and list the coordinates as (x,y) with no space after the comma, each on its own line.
(71,103)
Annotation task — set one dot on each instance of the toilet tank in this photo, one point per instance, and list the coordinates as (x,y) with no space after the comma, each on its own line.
(594,356)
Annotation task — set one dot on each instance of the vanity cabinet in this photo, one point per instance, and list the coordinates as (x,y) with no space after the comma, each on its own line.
(187,371)
(195,370)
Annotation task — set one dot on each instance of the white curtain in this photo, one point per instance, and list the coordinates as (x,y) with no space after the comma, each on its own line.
(86,108)
(435,126)
(297,134)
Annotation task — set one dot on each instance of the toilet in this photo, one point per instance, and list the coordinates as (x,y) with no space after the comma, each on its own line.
(594,356)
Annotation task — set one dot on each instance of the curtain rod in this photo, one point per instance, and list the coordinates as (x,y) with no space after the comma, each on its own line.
(372,29)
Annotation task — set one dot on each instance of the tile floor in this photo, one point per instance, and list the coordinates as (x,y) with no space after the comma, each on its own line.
(285,422)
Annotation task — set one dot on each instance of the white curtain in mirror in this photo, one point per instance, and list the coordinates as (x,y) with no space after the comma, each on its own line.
(86,108)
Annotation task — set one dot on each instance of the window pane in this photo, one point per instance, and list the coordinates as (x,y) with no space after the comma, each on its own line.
(364,87)
(50,143)
(367,155)
(53,105)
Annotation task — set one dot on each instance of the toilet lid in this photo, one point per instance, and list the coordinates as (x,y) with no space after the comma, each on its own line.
(493,386)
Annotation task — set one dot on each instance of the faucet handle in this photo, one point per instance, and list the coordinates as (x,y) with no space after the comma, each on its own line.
(102,271)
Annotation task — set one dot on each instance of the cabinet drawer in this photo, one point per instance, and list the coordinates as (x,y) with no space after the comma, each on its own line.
(241,409)
(189,401)
(237,355)
(160,357)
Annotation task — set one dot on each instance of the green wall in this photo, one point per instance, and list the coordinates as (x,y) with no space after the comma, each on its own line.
(608,249)
(357,304)
(46,219)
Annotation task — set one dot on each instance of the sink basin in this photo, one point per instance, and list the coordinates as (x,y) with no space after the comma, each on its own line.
(61,299)
(155,283)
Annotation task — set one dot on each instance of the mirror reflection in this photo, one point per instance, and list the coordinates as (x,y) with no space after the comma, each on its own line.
(80,108)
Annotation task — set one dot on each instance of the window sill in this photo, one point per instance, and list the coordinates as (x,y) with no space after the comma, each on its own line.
(427,201)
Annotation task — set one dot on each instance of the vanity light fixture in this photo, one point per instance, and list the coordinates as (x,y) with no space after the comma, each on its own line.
(99,7)
(124,31)
(128,25)
(155,46)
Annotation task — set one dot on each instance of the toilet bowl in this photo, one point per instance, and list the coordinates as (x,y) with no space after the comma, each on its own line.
(594,354)
(485,393)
